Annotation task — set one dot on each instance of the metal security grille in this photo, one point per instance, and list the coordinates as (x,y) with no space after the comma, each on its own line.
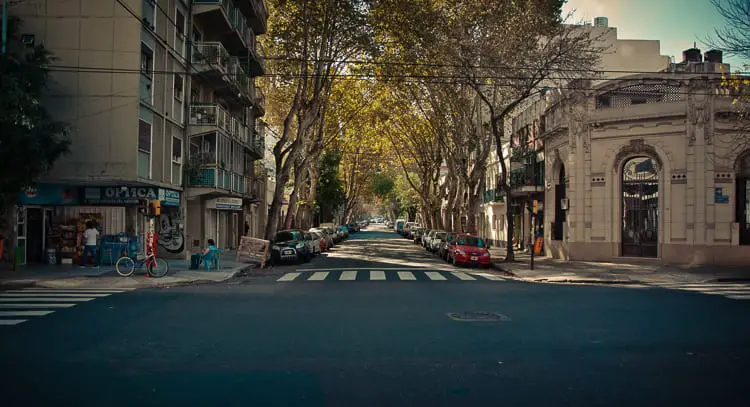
(640,208)
(638,94)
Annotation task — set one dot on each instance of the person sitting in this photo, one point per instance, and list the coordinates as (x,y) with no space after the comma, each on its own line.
(206,255)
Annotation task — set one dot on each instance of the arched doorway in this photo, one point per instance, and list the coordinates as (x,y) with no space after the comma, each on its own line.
(743,198)
(640,207)
(560,195)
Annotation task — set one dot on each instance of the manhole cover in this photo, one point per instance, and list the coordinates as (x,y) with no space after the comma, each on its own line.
(477,317)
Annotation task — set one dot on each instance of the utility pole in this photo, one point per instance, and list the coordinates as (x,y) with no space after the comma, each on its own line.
(5,26)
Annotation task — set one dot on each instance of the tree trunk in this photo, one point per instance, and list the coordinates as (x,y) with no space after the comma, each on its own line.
(272,221)
(312,196)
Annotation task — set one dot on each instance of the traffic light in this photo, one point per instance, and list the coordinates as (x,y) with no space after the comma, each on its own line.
(156,205)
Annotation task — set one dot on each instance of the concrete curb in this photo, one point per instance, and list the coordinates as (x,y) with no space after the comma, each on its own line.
(497,267)
(585,281)
(155,282)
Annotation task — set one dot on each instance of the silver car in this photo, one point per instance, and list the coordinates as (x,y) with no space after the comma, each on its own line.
(436,240)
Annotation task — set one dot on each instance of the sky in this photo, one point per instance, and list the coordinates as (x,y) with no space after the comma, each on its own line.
(676,23)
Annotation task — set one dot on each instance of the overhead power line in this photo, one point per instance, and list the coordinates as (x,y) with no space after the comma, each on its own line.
(421,79)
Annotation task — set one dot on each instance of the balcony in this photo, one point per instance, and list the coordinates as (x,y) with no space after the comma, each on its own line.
(257,14)
(257,145)
(218,180)
(210,117)
(227,24)
(256,65)
(527,180)
(223,71)
(259,103)
(492,195)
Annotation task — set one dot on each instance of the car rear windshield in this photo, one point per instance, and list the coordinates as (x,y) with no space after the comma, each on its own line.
(470,241)
(440,235)
(286,236)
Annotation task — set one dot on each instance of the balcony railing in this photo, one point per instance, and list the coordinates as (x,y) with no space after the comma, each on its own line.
(237,20)
(259,102)
(216,56)
(213,115)
(523,178)
(217,178)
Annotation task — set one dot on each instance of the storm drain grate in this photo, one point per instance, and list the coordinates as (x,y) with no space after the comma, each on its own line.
(477,317)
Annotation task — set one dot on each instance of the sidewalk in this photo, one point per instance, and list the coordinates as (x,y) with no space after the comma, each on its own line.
(71,276)
(630,271)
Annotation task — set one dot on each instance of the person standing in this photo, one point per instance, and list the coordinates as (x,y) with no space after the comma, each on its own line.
(90,238)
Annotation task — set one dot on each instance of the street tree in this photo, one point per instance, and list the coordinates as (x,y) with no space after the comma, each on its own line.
(734,37)
(31,140)
(331,196)
(312,39)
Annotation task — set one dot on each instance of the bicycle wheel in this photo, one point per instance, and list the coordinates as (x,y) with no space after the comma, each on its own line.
(125,266)
(158,268)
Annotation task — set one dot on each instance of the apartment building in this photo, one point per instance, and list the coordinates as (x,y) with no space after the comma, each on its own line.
(525,151)
(144,84)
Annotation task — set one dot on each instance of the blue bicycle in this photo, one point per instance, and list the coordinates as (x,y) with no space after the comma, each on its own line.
(125,266)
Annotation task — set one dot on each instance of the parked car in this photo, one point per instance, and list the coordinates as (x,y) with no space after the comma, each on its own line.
(327,235)
(291,245)
(442,249)
(468,249)
(319,242)
(417,234)
(436,240)
(410,232)
(344,231)
(399,225)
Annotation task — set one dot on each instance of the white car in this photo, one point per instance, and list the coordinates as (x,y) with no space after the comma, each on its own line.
(436,240)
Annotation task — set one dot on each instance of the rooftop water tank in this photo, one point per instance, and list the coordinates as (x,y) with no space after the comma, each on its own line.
(601,22)
(714,55)
(691,55)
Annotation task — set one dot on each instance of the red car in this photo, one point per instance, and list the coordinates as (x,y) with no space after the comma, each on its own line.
(468,249)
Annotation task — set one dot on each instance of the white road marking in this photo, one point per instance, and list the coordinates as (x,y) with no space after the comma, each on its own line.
(348,275)
(67,299)
(289,276)
(12,306)
(12,321)
(490,277)
(434,275)
(739,297)
(71,291)
(24,313)
(462,276)
(406,275)
(82,289)
(377,275)
(319,276)
(53,295)
(365,268)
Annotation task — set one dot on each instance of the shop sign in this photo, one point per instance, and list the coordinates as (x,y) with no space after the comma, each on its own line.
(120,195)
(169,197)
(228,204)
(49,194)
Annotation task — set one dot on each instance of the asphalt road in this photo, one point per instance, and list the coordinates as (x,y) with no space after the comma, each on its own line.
(261,342)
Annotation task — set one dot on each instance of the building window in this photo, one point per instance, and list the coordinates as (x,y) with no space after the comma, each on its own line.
(179,40)
(176,161)
(149,13)
(144,149)
(147,60)
(178,87)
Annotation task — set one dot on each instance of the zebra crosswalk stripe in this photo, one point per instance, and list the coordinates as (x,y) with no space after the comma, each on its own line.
(289,276)
(319,276)
(435,276)
(24,313)
(406,275)
(377,275)
(348,276)
(462,276)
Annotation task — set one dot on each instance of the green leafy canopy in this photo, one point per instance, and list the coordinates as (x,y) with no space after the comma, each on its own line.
(30,139)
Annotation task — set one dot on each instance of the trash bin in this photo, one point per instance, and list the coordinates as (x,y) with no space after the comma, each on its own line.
(19,255)
(195,261)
